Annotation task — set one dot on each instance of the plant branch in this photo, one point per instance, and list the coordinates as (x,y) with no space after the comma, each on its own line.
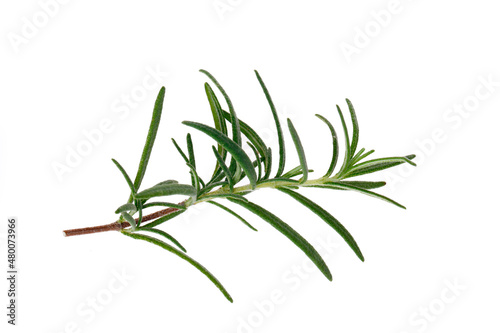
(117,226)
(223,184)
(276,183)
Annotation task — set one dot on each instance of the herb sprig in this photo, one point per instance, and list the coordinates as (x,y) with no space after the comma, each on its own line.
(234,166)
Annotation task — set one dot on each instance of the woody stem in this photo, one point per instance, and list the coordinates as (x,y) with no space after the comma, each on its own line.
(117,226)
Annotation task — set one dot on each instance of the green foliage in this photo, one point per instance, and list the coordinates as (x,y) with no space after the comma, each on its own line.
(281,140)
(300,151)
(150,140)
(327,217)
(164,234)
(226,176)
(230,211)
(182,255)
(286,230)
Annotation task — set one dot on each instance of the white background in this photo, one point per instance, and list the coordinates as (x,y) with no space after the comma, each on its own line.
(406,79)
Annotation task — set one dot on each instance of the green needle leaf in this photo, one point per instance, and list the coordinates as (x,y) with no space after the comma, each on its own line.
(150,140)
(359,156)
(169,181)
(167,189)
(257,159)
(294,172)
(192,160)
(234,119)
(377,165)
(269,163)
(225,169)
(344,186)
(355,158)
(232,213)
(130,220)
(234,167)
(256,140)
(281,141)
(355,127)
(347,155)
(335,142)
(365,155)
(219,121)
(195,179)
(367,185)
(184,256)
(164,218)
(328,218)
(163,204)
(184,157)
(300,150)
(125,175)
(234,149)
(139,205)
(290,233)
(128,207)
(164,234)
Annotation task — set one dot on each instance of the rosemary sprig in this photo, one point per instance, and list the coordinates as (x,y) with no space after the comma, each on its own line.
(225,180)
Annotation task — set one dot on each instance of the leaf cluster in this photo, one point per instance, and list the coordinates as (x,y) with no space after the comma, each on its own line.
(233,166)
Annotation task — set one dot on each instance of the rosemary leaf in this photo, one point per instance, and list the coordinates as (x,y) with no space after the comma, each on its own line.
(125,175)
(377,165)
(232,213)
(300,151)
(344,186)
(335,142)
(167,189)
(355,128)
(164,219)
(225,169)
(164,234)
(328,218)
(184,256)
(290,233)
(126,208)
(150,140)
(281,140)
(130,220)
(235,150)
